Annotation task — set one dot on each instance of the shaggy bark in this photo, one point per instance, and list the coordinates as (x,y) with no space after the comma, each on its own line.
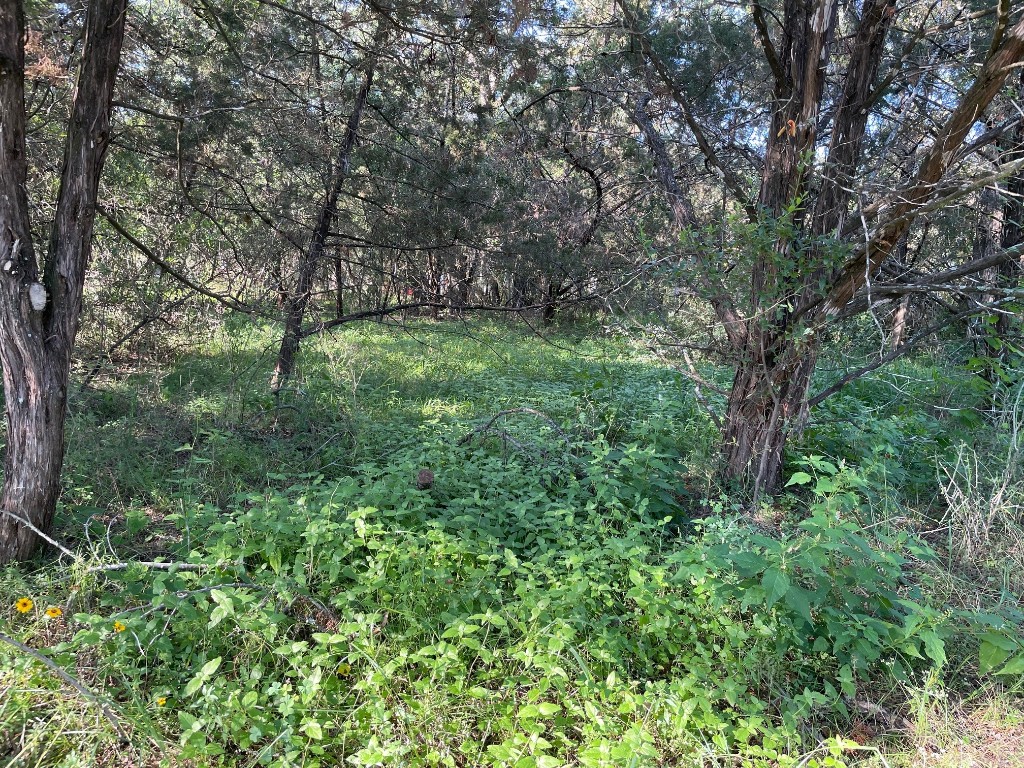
(39,319)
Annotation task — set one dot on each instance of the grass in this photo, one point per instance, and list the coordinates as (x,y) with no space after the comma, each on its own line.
(557,596)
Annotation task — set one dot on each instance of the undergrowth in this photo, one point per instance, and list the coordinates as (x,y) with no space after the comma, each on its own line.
(267,582)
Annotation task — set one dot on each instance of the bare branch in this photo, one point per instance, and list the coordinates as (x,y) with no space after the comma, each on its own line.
(228,301)
(766,43)
(73,682)
(735,184)
(895,354)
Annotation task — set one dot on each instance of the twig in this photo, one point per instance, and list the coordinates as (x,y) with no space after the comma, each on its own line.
(531,411)
(28,524)
(148,564)
(73,682)
(111,566)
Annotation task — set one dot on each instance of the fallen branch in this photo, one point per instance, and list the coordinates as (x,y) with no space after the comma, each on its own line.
(148,564)
(73,682)
(102,568)
(511,411)
(28,524)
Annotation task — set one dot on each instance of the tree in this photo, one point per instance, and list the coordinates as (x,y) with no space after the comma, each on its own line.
(813,243)
(312,259)
(39,318)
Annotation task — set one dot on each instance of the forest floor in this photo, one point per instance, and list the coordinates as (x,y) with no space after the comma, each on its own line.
(457,544)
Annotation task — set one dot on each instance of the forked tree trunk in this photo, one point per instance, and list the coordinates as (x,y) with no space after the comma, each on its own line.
(39,320)
(776,340)
(768,401)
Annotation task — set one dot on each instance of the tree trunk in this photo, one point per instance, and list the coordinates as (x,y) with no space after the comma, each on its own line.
(339,285)
(767,402)
(899,323)
(39,320)
(552,291)
(795,293)
(468,278)
(988,238)
(768,399)
(902,313)
(298,300)
(35,453)
(1013,226)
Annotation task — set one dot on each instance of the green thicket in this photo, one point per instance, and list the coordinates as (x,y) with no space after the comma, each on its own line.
(571,589)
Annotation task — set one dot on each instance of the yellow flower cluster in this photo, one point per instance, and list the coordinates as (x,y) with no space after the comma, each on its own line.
(25,604)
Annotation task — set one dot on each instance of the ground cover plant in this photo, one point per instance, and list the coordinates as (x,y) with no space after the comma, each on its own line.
(259,580)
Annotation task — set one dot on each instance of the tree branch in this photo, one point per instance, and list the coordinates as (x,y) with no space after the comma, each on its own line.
(732,181)
(228,301)
(73,682)
(896,353)
(766,43)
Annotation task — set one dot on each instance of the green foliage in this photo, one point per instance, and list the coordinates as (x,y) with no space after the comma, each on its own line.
(559,595)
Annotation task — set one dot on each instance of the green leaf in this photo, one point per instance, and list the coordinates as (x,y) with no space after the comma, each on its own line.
(991,656)
(776,584)
(799,478)
(217,615)
(194,685)
(1000,640)
(202,676)
(189,723)
(824,485)
(313,730)
(934,647)
(746,563)
(798,599)
(1014,666)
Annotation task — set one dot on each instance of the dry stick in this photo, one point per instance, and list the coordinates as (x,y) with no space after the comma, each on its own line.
(99,568)
(531,411)
(698,392)
(148,564)
(73,682)
(28,524)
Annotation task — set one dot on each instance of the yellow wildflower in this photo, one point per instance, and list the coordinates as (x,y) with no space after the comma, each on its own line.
(161,700)
(119,627)
(24,605)
(53,612)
